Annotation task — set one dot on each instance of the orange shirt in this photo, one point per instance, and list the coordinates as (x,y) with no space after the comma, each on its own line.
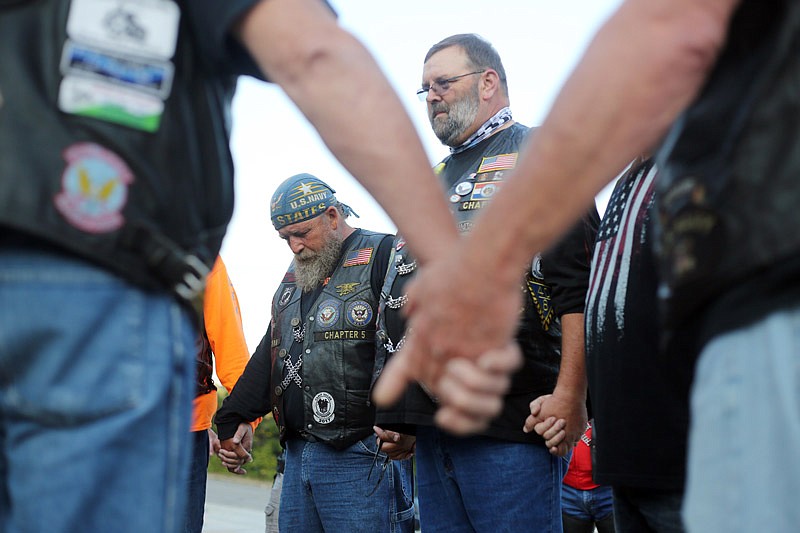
(223,323)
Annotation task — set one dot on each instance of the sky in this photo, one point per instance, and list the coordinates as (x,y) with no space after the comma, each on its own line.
(539,41)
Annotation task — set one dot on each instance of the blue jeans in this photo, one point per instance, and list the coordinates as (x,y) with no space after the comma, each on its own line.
(594,504)
(487,485)
(198,477)
(95,399)
(640,510)
(328,490)
(743,466)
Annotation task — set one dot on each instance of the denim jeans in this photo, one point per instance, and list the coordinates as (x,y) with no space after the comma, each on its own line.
(328,490)
(95,399)
(487,485)
(593,504)
(641,510)
(198,478)
(743,467)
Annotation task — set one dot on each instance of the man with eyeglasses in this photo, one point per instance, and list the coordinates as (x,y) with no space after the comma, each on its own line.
(312,371)
(464,86)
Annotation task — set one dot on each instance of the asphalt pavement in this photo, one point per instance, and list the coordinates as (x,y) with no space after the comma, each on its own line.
(235,504)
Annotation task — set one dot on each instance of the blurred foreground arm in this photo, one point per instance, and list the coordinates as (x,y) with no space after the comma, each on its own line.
(643,67)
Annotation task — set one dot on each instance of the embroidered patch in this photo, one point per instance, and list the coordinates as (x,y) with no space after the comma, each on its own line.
(346,288)
(286,295)
(536,267)
(143,28)
(401,242)
(465,225)
(110,102)
(540,295)
(497,162)
(471,205)
(344,334)
(359,313)
(358,257)
(328,313)
(289,277)
(94,188)
(438,169)
(323,406)
(485,190)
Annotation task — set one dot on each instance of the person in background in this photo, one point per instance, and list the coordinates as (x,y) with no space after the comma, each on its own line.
(640,396)
(312,371)
(221,348)
(272,510)
(585,505)
(709,87)
(465,88)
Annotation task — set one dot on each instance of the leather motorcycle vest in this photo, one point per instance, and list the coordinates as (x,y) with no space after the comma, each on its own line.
(471,181)
(338,347)
(113,138)
(728,191)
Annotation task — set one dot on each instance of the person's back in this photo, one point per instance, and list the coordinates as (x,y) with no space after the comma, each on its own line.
(115,192)
(585,504)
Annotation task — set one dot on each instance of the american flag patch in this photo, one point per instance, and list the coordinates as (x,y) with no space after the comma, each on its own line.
(358,257)
(498,162)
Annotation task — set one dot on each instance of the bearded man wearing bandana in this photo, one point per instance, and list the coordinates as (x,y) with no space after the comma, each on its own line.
(312,371)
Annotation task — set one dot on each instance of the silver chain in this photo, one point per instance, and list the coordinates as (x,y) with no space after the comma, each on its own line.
(391,348)
(292,373)
(396,303)
(299,332)
(404,269)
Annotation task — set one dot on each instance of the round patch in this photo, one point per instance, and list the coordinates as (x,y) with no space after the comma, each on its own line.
(323,407)
(401,242)
(359,313)
(328,313)
(464,226)
(464,188)
(94,188)
(454,198)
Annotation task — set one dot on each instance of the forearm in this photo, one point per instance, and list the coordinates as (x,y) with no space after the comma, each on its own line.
(643,67)
(572,381)
(339,87)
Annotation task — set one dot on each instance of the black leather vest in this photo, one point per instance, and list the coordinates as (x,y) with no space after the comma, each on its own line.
(338,347)
(147,198)
(728,192)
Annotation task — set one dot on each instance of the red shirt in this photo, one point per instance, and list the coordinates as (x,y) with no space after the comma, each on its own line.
(579,475)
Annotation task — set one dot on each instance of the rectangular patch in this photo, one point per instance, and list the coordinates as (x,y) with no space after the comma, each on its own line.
(344,335)
(146,28)
(485,190)
(358,257)
(111,103)
(497,162)
(137,74)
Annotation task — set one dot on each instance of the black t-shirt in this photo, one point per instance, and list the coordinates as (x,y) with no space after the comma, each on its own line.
(556,285)
(639,391)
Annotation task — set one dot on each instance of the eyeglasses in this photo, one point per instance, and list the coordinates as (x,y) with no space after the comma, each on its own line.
(383,468)
(441,86)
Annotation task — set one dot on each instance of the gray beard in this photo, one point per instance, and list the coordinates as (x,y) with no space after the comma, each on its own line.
(460,115)
(311,269)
